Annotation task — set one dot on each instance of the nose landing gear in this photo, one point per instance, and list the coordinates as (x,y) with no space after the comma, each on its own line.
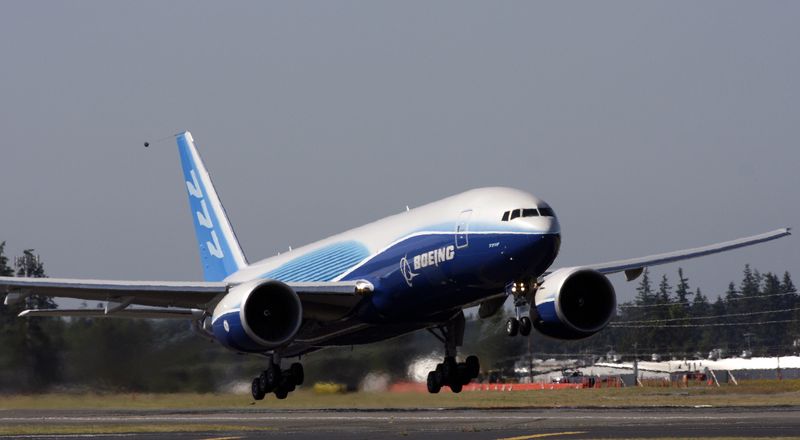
(450,372)
(521,326)
(275,380)
(523,295)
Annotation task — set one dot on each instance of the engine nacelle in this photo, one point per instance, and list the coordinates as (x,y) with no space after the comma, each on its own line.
(258,316)
(573,303)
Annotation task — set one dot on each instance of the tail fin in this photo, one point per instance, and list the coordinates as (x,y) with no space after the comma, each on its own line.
(220,253)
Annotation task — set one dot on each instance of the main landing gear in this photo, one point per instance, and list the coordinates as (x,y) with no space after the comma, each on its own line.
(275,380)
(451,373)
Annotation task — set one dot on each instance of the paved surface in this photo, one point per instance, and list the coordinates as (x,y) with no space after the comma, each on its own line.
(432,423)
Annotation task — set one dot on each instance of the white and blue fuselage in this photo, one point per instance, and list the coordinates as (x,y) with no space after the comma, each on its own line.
(424,263)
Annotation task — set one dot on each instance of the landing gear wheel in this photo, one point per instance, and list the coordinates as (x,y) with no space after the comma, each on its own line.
(450,371)
(255,388)
(525,326)
(434,382)
(296,372)
(463,374)
(512,326)
(270,378)
(473,366)
(281,393)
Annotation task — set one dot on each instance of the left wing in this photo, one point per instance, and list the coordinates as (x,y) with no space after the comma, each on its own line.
(146,293)
(633,267)
(171,299)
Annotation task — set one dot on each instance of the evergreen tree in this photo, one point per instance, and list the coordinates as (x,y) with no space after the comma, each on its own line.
(664,339)
(787,286)
(731,295)
(683,340)
(33,344)
(5,271)
(644,296)
(664,290)
(31,266)
(749,288)
(682,291)
(700,339)
(793,301)
(9,358)
(645,299)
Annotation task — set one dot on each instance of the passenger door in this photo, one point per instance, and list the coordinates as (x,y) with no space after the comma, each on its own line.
(462,229)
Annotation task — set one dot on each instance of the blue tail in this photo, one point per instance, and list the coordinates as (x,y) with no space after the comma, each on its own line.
(220,253)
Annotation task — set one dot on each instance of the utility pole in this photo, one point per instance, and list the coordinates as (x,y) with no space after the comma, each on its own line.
(530,359)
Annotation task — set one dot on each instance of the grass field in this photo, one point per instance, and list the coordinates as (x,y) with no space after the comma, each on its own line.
(750,393)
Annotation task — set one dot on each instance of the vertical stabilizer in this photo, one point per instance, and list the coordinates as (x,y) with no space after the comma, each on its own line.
(220,253)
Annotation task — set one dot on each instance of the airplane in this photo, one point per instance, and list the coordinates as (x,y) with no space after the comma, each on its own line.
(415,270)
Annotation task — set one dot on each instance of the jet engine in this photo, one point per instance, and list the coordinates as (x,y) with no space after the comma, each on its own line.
(258,316)
(573,303)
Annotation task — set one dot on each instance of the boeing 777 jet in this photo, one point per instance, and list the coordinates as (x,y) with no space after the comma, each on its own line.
(415,270)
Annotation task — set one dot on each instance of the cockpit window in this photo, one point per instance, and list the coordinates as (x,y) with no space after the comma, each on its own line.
(544,211)
(547,211)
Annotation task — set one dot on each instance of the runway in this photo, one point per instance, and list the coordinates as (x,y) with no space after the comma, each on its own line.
(517,424)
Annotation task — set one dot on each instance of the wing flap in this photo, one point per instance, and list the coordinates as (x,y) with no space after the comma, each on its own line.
(329,301)
(152,313)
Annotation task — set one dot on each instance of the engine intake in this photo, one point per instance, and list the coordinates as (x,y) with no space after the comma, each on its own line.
(258,316)
(272,313)
(573,304)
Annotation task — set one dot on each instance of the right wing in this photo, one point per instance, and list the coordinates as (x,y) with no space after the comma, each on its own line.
(633,267)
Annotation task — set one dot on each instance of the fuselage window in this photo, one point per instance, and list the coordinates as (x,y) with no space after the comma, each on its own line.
(514,214)
(505,216)
(531,212)
(547,212)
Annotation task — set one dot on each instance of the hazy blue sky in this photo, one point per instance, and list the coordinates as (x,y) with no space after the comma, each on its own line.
(649,126)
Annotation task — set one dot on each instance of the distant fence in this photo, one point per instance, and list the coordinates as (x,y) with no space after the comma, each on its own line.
(585,382)
(682,379)
(733,376)
(767,374)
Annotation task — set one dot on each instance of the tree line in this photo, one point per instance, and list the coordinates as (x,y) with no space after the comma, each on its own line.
(115,354)
(761,314)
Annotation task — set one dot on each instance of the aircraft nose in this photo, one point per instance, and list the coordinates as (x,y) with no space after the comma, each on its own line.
(551,225)
(546,225)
